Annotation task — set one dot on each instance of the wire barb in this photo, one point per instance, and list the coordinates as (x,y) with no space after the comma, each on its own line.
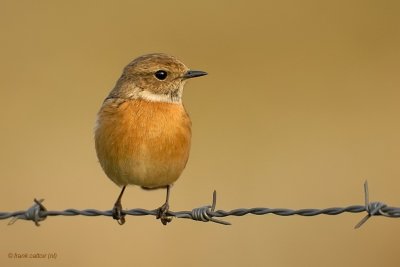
(373,208)
(207,213)
(34,213)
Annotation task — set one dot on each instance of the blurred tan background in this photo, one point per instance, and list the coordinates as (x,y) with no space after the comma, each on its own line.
(300,106)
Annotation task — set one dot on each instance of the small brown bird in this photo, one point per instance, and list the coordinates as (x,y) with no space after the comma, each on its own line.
(143,131)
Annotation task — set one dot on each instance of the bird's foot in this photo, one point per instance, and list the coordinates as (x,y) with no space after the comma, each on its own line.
(117,213)
(162,214)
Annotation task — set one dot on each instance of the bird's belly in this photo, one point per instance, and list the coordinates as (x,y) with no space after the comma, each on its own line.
(143,143)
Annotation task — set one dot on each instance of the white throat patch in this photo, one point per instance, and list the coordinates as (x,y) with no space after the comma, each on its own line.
(168,98)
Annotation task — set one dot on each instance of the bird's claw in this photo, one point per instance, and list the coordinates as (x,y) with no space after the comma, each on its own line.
(163,214)
(117,213)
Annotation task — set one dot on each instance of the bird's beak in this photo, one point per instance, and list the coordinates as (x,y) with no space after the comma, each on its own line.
(194,73)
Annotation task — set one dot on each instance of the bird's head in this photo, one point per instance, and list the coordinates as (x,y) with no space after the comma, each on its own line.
(154,77)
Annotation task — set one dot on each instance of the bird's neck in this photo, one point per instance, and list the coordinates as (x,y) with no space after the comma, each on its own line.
(132,92)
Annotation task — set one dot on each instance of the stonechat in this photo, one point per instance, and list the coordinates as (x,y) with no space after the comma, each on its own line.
(143,131)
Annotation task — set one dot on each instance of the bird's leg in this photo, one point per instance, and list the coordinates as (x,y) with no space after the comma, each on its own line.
(163,210)
(117,209)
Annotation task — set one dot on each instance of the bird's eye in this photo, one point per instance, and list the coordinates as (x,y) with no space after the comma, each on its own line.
(161,74)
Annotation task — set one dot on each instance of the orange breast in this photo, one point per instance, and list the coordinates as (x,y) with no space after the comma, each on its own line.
(142,143)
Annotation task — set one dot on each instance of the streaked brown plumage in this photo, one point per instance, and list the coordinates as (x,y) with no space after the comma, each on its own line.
(143,132)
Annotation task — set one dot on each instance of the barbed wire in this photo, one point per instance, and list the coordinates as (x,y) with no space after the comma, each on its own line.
(38,212)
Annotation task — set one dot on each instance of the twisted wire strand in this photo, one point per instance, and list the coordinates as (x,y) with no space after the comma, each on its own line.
(38,212)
